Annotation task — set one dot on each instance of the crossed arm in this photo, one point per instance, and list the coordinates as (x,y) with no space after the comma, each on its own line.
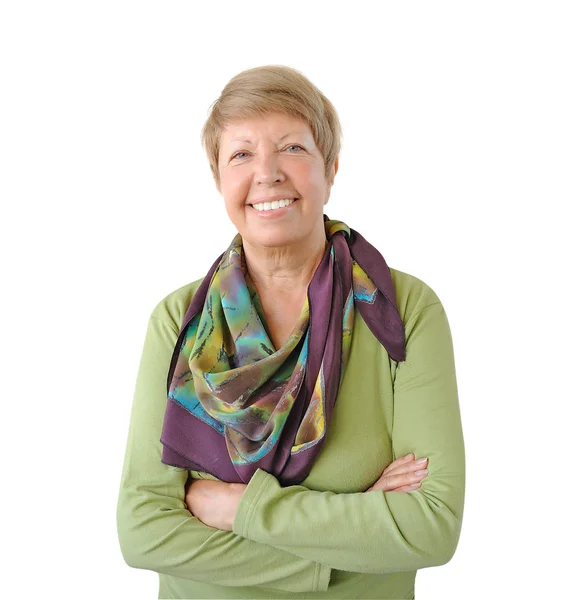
(252,544)
(215,503)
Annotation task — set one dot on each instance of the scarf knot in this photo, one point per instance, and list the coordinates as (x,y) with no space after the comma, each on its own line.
(332,227)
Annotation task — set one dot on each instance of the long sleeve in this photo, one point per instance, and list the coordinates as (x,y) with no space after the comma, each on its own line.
(155,529)
(382,532)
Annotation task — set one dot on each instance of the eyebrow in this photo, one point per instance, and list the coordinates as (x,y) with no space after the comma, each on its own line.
(245,141)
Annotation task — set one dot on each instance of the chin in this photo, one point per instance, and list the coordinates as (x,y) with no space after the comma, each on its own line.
(275,241)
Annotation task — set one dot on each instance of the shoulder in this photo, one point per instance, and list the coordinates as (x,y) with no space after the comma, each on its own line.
(172,308)
(412,294)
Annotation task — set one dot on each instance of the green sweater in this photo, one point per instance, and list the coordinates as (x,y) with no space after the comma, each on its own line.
(325,538)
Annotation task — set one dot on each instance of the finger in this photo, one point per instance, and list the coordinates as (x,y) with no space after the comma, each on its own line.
(408,488)
(405,488)
(399,462)
(389,483)
(409,467)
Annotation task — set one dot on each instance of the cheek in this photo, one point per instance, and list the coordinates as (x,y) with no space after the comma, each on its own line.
(232,187)
(304,177)
(313,183)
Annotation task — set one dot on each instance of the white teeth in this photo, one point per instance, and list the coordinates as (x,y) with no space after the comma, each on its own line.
(273,205)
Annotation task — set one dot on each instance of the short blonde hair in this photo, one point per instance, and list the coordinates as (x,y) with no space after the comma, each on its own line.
(273,88)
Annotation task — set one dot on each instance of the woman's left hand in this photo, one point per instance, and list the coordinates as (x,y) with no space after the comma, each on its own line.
(402,475)
(214,502)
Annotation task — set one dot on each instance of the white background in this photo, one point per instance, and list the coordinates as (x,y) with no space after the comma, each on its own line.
(459,163)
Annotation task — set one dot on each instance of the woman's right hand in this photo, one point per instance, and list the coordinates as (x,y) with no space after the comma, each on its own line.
(402,475)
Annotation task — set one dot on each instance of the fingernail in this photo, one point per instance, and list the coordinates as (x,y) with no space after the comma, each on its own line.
(422,472)
(415,485)
(408,455)
(421,460)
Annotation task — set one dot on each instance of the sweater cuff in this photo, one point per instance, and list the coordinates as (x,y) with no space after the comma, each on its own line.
(249,501)
(247,506)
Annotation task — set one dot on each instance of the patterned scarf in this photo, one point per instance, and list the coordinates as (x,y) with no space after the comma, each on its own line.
(235,403)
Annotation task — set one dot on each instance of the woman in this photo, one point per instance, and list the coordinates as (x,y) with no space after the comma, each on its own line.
(311,443)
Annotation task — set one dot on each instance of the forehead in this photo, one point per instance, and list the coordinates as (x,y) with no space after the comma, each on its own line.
(273,127)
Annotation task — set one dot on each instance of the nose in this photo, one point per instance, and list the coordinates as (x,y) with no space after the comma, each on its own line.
(268,169)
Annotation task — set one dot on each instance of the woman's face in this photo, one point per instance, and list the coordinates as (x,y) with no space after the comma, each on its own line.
(267,159)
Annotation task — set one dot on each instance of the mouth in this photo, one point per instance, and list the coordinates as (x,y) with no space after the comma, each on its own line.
(274,205)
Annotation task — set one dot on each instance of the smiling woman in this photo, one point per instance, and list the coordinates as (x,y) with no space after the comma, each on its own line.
(263,459)
(258,164)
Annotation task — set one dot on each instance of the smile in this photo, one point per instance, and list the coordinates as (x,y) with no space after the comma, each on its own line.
(274,205)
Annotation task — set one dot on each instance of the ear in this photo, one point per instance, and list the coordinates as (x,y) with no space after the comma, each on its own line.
(334,171)
(331,179)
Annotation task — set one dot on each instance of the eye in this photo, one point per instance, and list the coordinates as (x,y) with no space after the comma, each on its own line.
(295,146)
(237,155)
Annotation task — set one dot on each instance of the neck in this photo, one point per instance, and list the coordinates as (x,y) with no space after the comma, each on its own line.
(288,268)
